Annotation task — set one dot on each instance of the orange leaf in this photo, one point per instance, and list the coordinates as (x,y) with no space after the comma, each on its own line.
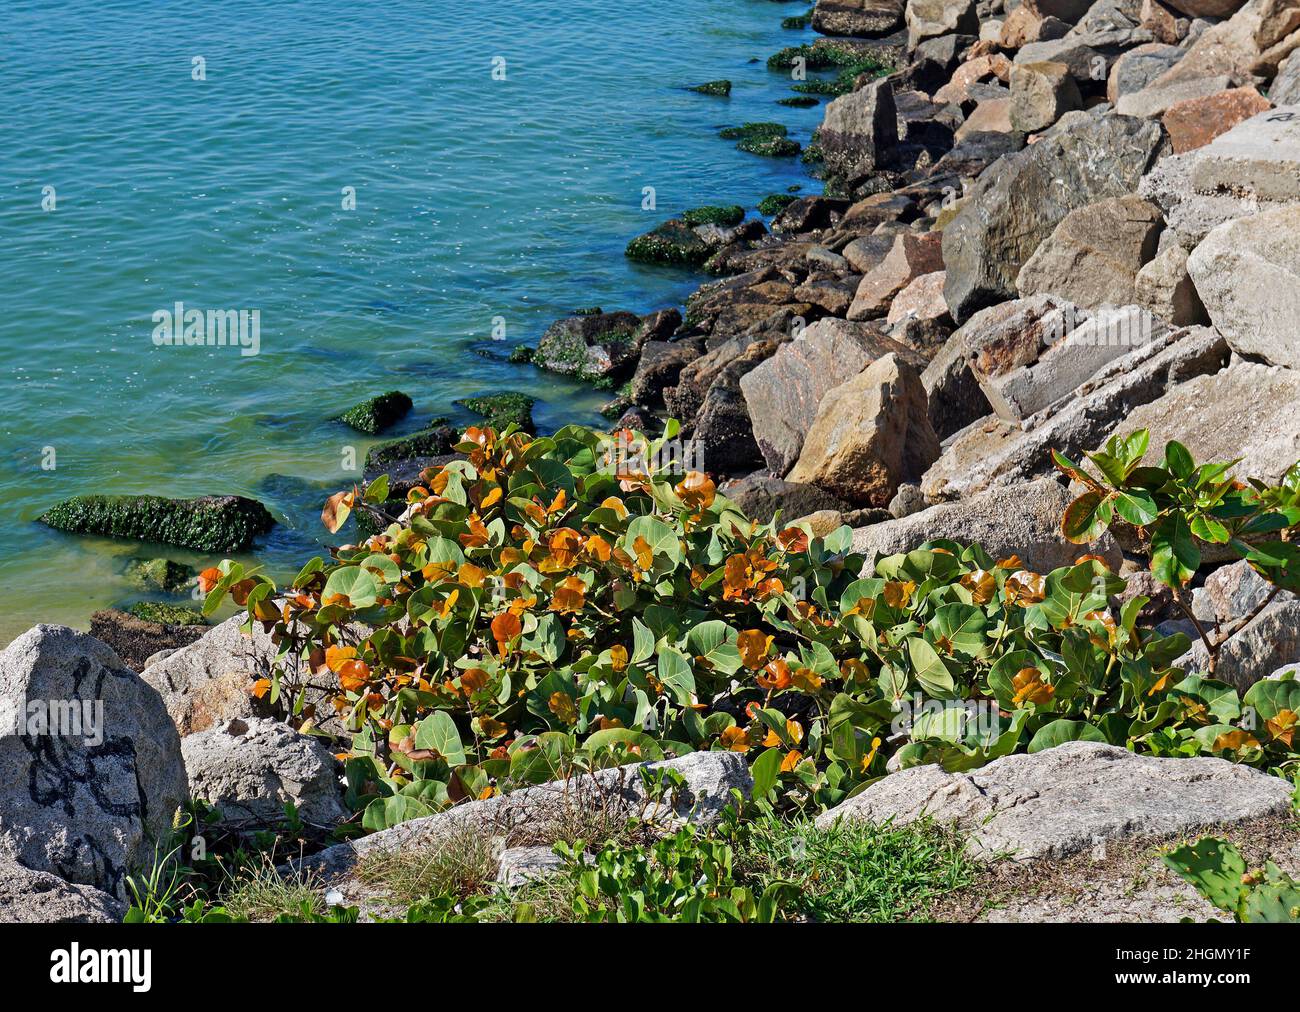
(753,645)
(337,508)
(209,578)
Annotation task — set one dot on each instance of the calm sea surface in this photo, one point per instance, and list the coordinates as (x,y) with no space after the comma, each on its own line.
(475,199)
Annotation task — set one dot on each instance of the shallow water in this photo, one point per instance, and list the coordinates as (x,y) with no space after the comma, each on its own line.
(476,199)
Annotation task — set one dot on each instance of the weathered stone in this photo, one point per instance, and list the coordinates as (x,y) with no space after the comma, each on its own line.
(86,792)
(993,452)
(927,19)
(922,299)
(1247,273)
(1156,98)
(1285,89)
(954,395)
(983,68)
(1064,800)
(866,253)
(1163,23)
(911,256)
(861,18)
(807,214)
(520,865)
(1191,216)
(1164,287)
(1271,640)
(1252,43)
(250,769)
(1022,520)
(761,497)
(783,392)
(1095,253)
(543,812)
(1207,8)
(1111,333)
(659,366)
(1040,94)
(591,346)
(1016,204)
(1137,68)
(1259,158)
(1197,121)
(870,434)
(832,295)
(990,116)
(859,132)
(1231,592)
(1248,411)
(37,897)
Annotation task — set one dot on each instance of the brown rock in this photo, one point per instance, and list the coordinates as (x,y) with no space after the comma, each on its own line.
(922,299)
(1040,94)
(1095,253)
(911,256)
(1197,121)
(1163,23)
(992,115)
(870,435)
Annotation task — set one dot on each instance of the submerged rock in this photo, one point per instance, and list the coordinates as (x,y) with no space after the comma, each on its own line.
(136,638)
(212,523)
(377,413)
(500,410)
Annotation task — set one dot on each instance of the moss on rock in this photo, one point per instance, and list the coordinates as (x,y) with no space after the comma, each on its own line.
(377,413)
(439,438)
(158,574)
(500,410)
(719,88)
(775,203)
(714,214)
(219,523)
(799,101)
(753,131)
(673,242)
(521,354)
(770,147)
(167,614)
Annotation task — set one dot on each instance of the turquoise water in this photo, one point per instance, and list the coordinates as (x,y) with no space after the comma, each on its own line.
(476,198)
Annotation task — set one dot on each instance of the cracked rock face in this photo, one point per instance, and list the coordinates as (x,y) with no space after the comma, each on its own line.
(1070,798)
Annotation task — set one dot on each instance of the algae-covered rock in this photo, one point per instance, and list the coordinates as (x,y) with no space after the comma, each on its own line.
(211,523)
(761,139)
(775,203)
(500,410)
(714,214)
(721,89)
(430,442)
(378,413)
(167,614)
(673,242)
(158,574)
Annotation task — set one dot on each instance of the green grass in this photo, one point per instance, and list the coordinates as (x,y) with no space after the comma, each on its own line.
(858,872)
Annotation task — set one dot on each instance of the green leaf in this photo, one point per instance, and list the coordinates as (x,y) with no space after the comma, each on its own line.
(1137,507)
(674,670)
(1174,555)
(1081,521)
(438,732)
(766,769)
(714,642)
(929,668)
(1178,461)
(385,813)
(1058,732)
(355,583)
(1214,868)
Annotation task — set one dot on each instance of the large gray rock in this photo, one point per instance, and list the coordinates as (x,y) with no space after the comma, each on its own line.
(784,391)
(1259,157)
(859,132)
(1040,94)
(206,683)
(1231,592)
(87,792)
(954,397)
(1285,89)
(1247,274)
(250,769)
(544,813)
(1017,203)
(994,452)
(1111,333)
(1068,799)
(928,19)
(870,434)
(1022,520)
(1248,411)
(37,897)
(1139,67)
(1156,99)
(1164,287)
(760,497)
(1094,255)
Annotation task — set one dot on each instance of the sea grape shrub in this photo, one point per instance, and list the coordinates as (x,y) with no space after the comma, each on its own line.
(1219,873)
(1172,509)
(555,603)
